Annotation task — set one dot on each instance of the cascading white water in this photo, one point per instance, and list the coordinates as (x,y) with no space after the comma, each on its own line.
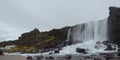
(88,31)
(102,30)
(68,36)
(88,36)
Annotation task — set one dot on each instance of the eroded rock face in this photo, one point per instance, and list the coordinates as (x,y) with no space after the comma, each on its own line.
(34,34)
(47,40)
(114,25)
(30,38)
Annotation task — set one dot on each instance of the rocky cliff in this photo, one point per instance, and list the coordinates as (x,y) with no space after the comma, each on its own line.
(37,40)
(114,25)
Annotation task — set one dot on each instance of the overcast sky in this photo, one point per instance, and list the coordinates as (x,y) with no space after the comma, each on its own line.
(18,16)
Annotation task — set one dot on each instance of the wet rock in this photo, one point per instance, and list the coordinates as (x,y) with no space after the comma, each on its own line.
(114,25)
(51,53)
(68,57)
(39,57)
(119,54)
(80,50)
(50,57)
(109,47)
(106,42)
(67,43)
(29,58)
(56,51)
(1,52)
(108,57)
(119,50)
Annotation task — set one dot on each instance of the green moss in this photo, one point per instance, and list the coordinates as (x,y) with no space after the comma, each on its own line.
(22,49)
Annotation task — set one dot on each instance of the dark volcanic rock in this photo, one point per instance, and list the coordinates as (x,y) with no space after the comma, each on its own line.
(109,47)
(1,52)
(30,38)
(56,51)
(39,57)
(114,25)
(34,34)
(61,36)
(47,41)
(80,50)
(44,40)
(68,57)
(29,57)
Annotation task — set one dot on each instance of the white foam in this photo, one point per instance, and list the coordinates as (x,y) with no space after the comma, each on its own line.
(88,45)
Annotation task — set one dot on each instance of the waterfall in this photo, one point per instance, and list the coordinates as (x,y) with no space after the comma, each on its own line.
(95,30)
(68,34)
(89,36)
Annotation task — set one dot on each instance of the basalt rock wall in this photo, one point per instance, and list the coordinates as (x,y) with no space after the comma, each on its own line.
(114,25)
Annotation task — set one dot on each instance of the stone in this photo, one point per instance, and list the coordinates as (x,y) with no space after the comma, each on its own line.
(106,42)
(39,57)
(29,58)
(51,57)
(68,56)
(56,51)
(109,47)
(67,43)
(1,52)
(119,54)
(80,50)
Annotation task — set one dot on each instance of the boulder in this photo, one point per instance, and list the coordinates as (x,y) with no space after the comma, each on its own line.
(29,58)
(80,50)
(109,47)
(68,57)
(1,52)
(39,57)
(56,51)
(67,43)
(119,54)
(51,53)
(50,57)
(106,42)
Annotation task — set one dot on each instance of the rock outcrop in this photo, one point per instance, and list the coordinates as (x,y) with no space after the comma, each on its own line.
(114,25)
(30,38)
(41,41)
(32,35)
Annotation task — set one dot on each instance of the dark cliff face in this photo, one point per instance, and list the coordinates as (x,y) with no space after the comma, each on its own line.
(30,38)
(36,40)
(114,25)
(54,38)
